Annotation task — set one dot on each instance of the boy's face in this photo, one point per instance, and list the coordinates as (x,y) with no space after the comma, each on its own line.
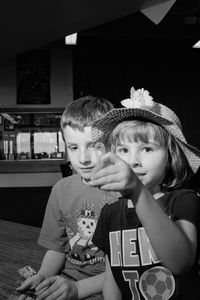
(81,152)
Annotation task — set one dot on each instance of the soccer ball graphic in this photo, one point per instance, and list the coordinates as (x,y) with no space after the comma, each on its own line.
(157,284)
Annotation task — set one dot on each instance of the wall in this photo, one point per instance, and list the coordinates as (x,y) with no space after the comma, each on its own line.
(61,94)
(16,208)
(167,68)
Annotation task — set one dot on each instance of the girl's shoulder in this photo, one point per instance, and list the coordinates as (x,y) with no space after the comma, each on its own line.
(184,192)
(179,200)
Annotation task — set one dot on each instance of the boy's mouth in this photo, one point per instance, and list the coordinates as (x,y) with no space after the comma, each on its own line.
(86,170)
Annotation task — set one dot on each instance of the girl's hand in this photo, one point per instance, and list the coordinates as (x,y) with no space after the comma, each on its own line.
(115,175)
(57,287)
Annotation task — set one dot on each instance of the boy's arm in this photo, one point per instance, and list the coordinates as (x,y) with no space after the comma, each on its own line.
(82,288)
(58,285)
(110,288)
(52,263)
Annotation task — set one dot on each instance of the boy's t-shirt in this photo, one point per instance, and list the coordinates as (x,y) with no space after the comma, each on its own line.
(70,220)
(137,270)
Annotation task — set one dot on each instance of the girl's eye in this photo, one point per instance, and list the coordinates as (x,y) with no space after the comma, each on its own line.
(122,150)
(147,149)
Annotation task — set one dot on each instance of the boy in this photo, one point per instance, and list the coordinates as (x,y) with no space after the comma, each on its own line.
(72,212)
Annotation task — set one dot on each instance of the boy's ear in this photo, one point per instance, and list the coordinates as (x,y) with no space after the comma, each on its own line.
(66,169)
(62,135)
(100,146)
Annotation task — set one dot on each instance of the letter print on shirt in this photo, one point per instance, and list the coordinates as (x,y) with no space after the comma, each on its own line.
(132,251)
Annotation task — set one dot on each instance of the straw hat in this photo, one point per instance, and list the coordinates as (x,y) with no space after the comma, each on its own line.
(141,106)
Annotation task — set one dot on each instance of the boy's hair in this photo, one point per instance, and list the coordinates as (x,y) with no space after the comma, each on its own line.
(140,131)
(84,111)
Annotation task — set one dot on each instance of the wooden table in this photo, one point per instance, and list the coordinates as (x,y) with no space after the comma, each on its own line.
(18,248)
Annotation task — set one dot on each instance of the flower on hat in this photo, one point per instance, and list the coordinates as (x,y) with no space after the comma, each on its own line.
(138,98)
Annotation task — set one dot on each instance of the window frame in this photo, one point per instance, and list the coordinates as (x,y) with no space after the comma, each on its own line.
(31,165)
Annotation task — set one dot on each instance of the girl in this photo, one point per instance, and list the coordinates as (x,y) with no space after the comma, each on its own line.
(150,234)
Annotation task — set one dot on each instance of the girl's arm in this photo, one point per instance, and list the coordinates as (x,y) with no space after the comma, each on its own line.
(175,243)
(89,286)
(110,288)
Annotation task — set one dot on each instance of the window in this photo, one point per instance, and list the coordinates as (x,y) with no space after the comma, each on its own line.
(31,136)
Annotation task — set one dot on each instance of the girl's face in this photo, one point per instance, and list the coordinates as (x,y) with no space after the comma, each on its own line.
(147,159)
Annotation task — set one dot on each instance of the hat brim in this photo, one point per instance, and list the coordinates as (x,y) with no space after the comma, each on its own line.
(102,127)
(192,154)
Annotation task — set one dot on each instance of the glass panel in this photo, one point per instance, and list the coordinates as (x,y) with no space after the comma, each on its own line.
(31,136)
(23,148)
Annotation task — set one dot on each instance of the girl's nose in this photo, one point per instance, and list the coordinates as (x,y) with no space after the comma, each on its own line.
(135,165)
(134,160)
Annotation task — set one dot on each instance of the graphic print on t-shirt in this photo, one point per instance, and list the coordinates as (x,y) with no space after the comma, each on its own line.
(81,248)
(157,283)
(132,254)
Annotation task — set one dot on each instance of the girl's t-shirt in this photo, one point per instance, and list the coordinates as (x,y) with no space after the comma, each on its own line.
(137,270)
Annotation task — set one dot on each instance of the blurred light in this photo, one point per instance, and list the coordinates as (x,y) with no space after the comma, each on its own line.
(197,45)
(9,118)
(190,20)
(71,39)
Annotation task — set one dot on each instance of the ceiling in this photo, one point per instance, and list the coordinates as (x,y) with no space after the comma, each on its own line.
(181,24)
(29,24)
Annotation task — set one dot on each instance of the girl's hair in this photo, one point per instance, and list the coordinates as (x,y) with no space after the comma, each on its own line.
(82,112)
(177,170)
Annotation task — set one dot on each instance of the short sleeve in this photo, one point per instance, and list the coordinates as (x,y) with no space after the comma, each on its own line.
(187,207)
(53,233)
(101,231)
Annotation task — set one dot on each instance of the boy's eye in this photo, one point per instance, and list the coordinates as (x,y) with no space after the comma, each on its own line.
(72,148)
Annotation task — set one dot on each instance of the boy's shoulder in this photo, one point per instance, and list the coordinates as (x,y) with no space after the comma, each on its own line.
(68,179)
(68,182)
(74,184)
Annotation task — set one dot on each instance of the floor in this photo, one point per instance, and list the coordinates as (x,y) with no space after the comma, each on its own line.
(18,248)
